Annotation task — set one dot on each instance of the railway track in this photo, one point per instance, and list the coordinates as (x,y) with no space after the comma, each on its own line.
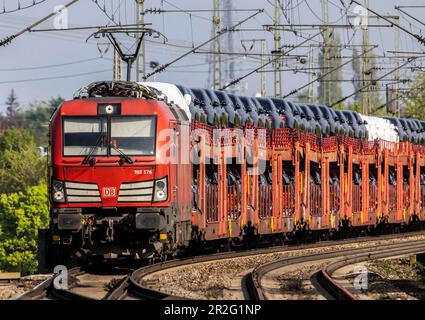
(337,291)
(81,286)
(322,280)
(133,285)
(145,291)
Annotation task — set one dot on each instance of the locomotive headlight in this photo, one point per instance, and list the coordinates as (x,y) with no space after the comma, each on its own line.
(58,192)
(109,109)
(160,190)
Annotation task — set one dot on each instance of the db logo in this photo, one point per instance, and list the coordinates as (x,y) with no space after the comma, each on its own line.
(109,192)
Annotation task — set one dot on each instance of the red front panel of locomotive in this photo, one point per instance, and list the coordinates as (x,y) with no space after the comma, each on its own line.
(105,153)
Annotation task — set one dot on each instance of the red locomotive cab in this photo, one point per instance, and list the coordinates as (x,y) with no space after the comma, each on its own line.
(115,174)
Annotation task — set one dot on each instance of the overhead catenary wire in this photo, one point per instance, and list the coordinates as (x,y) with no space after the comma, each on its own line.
(231,83)
(404,93)
(369,84)
(327,73)
(49,66)
(9,39)
(56,77)
(418,37)
(289,5)
(223,31)
(21,7)
(409,15)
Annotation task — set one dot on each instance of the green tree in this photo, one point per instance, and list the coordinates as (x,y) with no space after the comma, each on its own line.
(12,110)
(37,118)
(415,100)
(355,106)
(20,164)
(55,103)
(22,214)
(12,104)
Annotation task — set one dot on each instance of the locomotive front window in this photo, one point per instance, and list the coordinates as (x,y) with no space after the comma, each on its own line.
(82,134)
(133,135)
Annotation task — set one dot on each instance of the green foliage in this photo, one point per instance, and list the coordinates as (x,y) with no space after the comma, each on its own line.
(12,104)
(24,206)
(356,106)
(55,102)
(20,164)
(203,118)
(415,101)
(216,121)
(223,120)
(260,123)
(237,120)
(21,215)
(36,120)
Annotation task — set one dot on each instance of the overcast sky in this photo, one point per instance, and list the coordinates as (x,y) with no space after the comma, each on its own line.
(69,62)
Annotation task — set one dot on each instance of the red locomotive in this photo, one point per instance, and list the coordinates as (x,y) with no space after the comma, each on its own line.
(124,180)
(108,185)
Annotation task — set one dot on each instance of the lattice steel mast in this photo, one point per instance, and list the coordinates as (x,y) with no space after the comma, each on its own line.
(217,77)
(141,58)
(277,66)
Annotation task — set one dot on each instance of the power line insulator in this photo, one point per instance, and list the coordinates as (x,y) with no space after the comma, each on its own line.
(7,40)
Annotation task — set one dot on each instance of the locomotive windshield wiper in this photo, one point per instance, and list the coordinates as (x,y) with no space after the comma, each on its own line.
(123,155)
(97,144)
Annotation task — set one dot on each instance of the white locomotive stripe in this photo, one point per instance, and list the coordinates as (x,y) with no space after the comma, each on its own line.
(83,199)
(77,192)
(139,192)
(143,184)
(135,198)
(84,186)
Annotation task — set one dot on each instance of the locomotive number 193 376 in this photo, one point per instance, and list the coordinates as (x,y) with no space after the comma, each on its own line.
(143,171)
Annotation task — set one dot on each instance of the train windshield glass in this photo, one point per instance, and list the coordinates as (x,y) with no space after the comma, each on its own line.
(103,136)
(83,134)
(133,135)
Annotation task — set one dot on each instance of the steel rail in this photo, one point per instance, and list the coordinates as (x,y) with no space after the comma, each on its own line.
(133,286)
(136,286)
(252,281)
(45,288)
(338,292)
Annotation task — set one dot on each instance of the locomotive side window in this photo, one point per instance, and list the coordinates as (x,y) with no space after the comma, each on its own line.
(81,134)
(133,135)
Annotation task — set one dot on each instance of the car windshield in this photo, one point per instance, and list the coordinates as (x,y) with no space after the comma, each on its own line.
(132,135)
